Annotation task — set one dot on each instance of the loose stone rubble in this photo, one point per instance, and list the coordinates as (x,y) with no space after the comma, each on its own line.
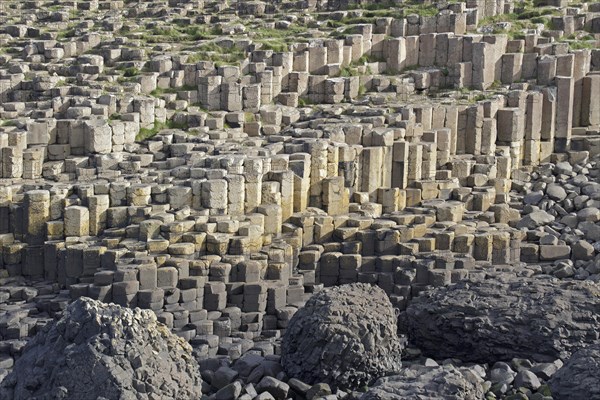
(104,351)
(344,336)
(220,162)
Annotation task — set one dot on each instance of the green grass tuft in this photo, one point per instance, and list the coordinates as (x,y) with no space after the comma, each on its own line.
(147,133)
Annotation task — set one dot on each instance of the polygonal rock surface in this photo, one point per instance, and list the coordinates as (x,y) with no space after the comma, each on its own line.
(444,382)
(105,350)
(499,319)
(578,378)
(345,336)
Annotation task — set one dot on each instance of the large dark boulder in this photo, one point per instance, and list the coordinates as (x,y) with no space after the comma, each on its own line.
(344,336)
(105,351)
(578,378)
(504,317)
(435,383)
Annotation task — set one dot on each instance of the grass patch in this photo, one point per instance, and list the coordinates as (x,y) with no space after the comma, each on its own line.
(581,44)
(66,34)
(278,40)
(185,88)
(352,69)
(524,17)
(249,117)
(73,13)
(537,13)
(366,59)
(380,10)
(383,5)
(423,10)
(580,41)
(275,45)
(390,9)
(166,32)
(130,72)
(147,133)
(291,32)
(202,32)
(478,98)
(178,34)
(304,102)
(218,54)
(177,125)
(516,35)
(158,92)
(348,71)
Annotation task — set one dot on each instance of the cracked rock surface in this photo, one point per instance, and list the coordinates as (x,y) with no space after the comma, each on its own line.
(578,378)
(105,350)
(498,319)
(344,336)
(442,382)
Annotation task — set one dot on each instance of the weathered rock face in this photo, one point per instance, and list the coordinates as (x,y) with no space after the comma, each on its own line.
(535,219)
(345,336)
(104,350)
(498,319)
(578,378)
(444,382)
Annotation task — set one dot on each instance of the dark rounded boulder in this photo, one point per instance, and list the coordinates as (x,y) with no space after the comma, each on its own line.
(97,350)
(505,317)
(345,336)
